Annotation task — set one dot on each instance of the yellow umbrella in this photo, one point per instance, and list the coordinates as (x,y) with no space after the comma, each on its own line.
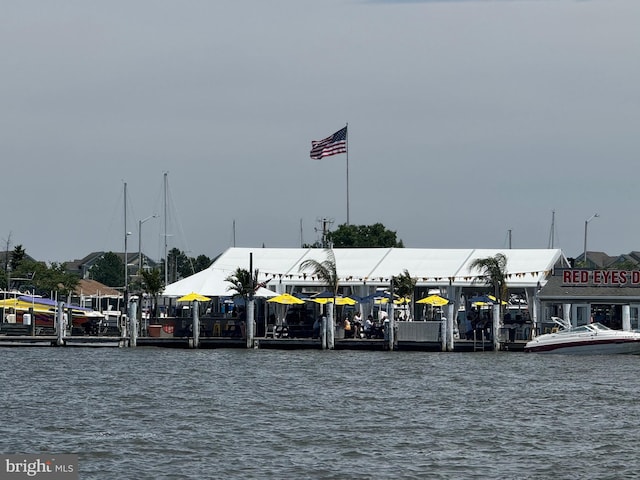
(193,297)
(496,300)
(286,299)
(338,300)
(435,300)
(397,301)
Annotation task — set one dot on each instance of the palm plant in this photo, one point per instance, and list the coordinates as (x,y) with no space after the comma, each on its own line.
(493,272)
(242,283)
(404,286)
(325,271)
(152,284)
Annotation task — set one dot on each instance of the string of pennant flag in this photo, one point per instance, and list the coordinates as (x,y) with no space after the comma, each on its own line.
(306,276)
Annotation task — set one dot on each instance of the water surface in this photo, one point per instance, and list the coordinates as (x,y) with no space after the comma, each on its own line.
(183,414)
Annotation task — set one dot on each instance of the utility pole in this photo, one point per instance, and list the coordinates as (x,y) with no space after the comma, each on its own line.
(325,223)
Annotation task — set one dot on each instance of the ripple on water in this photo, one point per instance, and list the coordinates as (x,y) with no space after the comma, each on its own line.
(155,413)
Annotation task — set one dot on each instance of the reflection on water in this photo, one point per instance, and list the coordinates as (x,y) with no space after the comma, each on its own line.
(155,413)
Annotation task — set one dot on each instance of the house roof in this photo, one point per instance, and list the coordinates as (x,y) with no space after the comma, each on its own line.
(92,288)
(599,259)
(371,266)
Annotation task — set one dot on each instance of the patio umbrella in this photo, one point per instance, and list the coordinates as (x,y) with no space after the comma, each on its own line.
(435,300)
(286,299)
(376,297)
(325,294)
(338,300)
(396,300)
(481,299)
(193,297)
(495,300)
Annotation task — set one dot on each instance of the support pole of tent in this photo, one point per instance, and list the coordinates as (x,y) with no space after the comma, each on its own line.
(133,327)
(195,306)
(496,327)
(60,324)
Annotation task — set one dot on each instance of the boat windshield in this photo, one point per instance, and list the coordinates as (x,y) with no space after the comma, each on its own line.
(599,326)
(581,329)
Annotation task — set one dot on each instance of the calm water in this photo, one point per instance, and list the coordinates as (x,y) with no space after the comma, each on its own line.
(178,414)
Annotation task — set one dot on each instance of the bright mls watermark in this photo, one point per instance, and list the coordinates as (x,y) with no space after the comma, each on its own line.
(51,467)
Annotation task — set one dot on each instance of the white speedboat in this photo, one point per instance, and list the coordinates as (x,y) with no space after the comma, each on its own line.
(591,339)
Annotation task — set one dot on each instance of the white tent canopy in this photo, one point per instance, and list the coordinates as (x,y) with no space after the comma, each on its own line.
(370,266)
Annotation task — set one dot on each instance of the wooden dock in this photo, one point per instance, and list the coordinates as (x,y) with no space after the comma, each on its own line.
(28,341)
(260,343)
(95,342)
(288,343)
(52,341)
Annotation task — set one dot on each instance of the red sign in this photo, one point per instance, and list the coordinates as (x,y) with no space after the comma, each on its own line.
(601,277)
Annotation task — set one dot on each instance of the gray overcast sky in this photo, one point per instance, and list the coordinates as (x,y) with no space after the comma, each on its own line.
(467,119)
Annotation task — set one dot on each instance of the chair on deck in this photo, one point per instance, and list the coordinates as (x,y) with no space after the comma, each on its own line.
(271,331)
(281,331)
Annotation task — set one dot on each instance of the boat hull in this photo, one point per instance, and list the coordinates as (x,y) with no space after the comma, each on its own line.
(587,347)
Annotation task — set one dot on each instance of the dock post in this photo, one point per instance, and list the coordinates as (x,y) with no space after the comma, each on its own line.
(390,321)
(331,326)
(496,327)
(251,313)
(451,318)
(323,332)
(443,334)
(60,324)
(133,327)
(195,306)
(33,321)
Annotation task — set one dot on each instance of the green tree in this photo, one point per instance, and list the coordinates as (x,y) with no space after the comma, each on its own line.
(201,262)
(179,265)
(17,256)
(41,279)
(152,285)
(622,264)
(363,236)
(56,278)
(108,270)
(493,272)
(30,275)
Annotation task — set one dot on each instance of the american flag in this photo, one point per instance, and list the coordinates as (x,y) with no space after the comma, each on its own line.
(332,145)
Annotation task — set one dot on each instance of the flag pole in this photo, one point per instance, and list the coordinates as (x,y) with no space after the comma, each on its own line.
(347,142)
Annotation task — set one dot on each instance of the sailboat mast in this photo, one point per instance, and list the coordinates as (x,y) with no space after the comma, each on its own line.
(552,233)
(126,234)
(166,258)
